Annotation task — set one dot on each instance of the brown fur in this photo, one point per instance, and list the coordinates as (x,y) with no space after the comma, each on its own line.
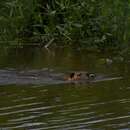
(74,76)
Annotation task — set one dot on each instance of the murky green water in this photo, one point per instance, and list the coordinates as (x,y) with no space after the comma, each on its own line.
(101,106)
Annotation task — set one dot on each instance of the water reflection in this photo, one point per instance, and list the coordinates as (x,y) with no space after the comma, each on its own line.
(60,59)
(101,105)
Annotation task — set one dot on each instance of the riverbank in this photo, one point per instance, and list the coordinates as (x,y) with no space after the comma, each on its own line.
(86,24)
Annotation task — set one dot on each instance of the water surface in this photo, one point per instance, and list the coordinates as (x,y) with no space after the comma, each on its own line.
(100,105)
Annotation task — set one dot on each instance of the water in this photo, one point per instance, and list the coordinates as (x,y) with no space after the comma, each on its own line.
(101,105)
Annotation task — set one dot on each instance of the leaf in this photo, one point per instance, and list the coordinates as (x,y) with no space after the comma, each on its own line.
(77,25)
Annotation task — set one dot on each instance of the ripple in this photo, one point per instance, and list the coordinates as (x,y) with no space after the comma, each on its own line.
(26,125)
(42,112)
(19,106)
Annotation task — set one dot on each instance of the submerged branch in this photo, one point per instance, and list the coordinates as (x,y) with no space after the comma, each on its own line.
(49,43)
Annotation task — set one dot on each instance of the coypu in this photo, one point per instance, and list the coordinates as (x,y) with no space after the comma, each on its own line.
(74,76)
(80,76)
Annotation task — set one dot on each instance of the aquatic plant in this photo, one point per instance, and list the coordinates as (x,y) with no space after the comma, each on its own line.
(13,19)
(85,23)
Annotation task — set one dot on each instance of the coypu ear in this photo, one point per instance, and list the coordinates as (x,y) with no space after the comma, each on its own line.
(72,75)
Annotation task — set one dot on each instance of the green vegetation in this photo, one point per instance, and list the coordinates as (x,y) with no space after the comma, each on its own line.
(14,18)
(86,23)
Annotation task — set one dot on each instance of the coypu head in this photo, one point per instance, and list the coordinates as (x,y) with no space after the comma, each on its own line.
(78,76)
(74,76)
